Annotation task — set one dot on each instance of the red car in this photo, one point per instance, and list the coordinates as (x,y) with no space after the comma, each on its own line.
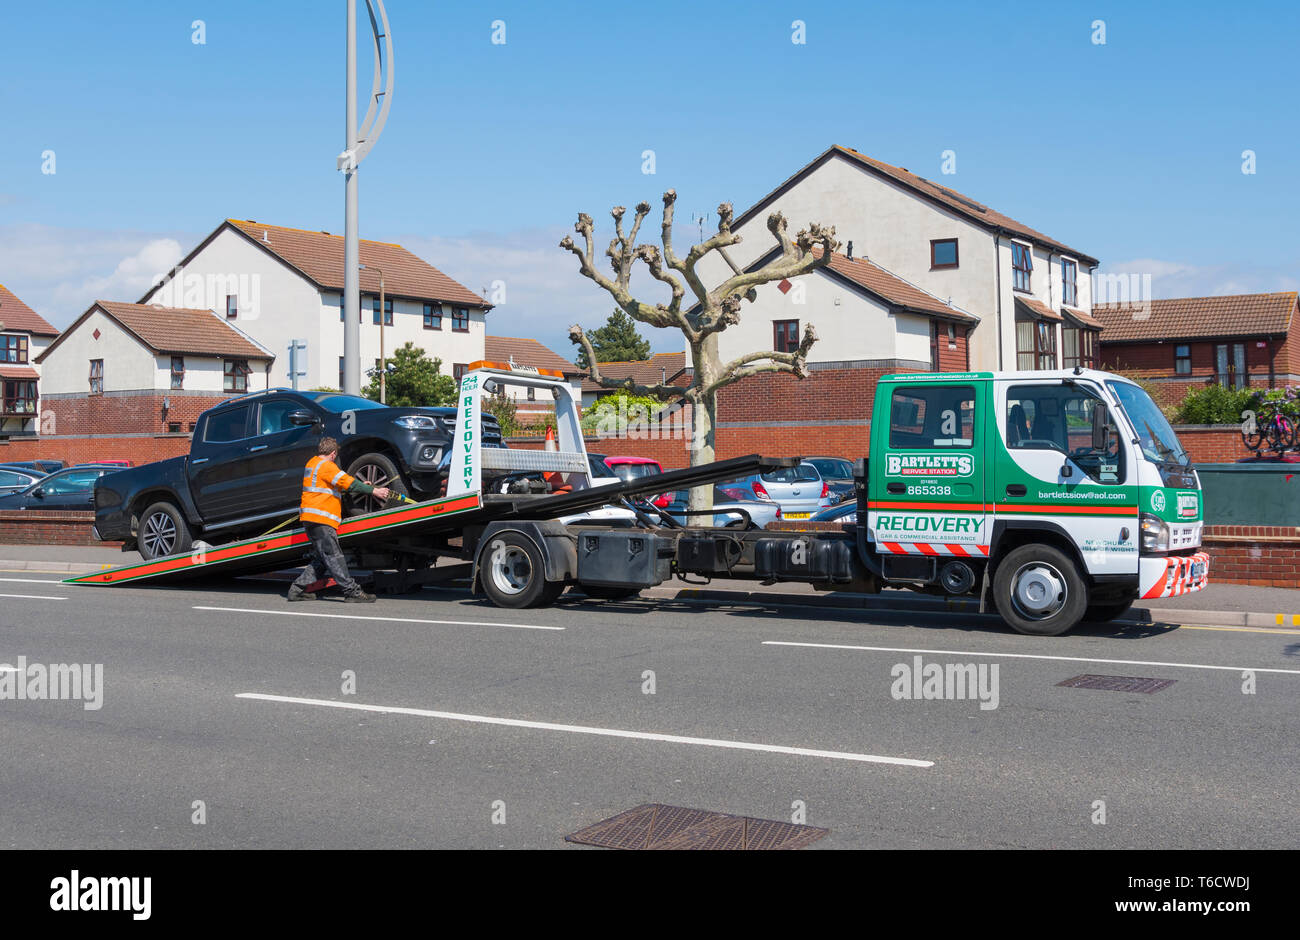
(633,468)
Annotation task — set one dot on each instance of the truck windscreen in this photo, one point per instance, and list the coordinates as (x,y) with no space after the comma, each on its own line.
(1156,436)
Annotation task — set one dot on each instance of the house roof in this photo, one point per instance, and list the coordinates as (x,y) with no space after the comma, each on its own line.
(1080,318)
(526,352)
(318,256)
(949,199)
(653,371)
(1192,317)
(18,372)
(1035,309)
(175,331)
(17,317)
(894,290)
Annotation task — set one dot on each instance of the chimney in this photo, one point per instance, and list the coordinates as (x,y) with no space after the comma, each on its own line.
(850,251)
(266,236)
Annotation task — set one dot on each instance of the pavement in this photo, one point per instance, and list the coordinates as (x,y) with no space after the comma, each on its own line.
(230,719)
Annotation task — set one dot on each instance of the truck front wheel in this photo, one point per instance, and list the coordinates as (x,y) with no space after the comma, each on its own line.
(512,572)
(1038,591)
(163,531)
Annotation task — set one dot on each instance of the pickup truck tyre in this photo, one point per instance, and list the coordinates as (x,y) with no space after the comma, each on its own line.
(512,573)
(163,531)
(1038,591)
(1105,613)
(377,470)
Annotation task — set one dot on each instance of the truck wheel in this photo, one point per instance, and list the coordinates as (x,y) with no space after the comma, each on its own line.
(513,573)
(377,470)
(163,531)
(1105,613)
(1038,591)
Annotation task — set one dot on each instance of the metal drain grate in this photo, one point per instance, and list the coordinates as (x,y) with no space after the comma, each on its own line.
(657,826)
(1118,684)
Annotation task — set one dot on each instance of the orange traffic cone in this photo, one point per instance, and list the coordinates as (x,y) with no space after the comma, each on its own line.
(554,480)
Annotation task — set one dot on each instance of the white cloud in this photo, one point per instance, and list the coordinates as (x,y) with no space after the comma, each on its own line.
(1176,279)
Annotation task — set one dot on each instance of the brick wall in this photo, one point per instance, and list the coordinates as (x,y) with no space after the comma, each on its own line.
(1156,361)
(74,450)
(1264,556)
(28,527)
(130,413)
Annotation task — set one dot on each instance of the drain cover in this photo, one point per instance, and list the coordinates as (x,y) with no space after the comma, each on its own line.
(1118,683)
(656,826)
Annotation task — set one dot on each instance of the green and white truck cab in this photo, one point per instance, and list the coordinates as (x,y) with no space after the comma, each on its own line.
(1063,494)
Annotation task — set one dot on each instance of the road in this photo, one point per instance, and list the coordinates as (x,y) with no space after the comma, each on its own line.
(227,695)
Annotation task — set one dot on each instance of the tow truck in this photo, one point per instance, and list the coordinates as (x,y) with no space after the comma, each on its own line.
(1056,497)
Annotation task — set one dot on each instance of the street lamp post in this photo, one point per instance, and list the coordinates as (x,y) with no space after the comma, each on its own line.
(383,321)
(357,144)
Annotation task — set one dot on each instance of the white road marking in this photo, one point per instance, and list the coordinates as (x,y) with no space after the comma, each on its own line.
(584,729)
(306,613)
(35,597)
(29,581)
(1069,659)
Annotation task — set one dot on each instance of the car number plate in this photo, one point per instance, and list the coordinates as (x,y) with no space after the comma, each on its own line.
(795,515)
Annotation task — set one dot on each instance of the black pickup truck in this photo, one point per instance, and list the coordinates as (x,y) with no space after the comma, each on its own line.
(244,470)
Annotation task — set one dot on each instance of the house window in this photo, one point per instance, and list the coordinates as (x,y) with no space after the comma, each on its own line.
(97,376)
(1022,265)
(943,253)
(13,348)
(236,375)
(458,370)
(433,316)
(340,308)
(178,371)
(173,427)
(232,306)
(532,393)
(388,311)
(952,336)
(460,320)
(1035,345)
(785,335)
(1230,365)
(1069,283)
(19,398)
(1183,360)
(1078,348)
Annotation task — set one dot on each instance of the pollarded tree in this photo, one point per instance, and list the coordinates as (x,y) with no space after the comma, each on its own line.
(712,312)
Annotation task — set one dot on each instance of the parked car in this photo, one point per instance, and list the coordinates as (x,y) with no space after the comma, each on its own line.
(69,489)
(45,466)
(602,474)
(799,490)
(844,511)
(837,473)
(244,469)
(110,462)
(632,468)
(14,478)
(726,503)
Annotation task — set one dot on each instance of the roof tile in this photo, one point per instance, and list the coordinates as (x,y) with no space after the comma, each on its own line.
(18,317)
(526,352)
(1192,317)
(653,371)
(175,331)
(894,289)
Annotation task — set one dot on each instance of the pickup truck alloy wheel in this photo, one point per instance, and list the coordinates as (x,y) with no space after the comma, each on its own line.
(1038,590)
(377,470)
(162,532)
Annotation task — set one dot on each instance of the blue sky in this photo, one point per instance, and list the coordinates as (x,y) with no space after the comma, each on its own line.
(1130,151)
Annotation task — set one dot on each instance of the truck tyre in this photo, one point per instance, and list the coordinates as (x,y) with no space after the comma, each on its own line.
(163,531)
(1038,591)
(377,470)
(1105,613)
(512,572)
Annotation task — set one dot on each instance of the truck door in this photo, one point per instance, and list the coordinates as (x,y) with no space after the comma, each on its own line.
(929,496)
(1051,472)
(278,454)
(218,465)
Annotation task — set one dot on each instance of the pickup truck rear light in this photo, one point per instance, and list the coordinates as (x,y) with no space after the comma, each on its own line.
(760,491)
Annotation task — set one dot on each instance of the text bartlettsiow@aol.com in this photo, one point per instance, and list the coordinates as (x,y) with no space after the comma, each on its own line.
(77,682)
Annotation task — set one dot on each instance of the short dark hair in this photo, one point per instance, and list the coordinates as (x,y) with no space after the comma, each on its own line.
(327,445)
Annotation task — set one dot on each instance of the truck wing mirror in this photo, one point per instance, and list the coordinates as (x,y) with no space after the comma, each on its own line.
(301,418)
(1100,429)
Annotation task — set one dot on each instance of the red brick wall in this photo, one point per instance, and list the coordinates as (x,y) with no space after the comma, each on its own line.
(1264,556)
(75,450)
(25,527)
(1157,360)
(124,414)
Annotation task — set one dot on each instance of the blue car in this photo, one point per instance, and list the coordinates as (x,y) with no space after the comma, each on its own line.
(846,511)
(64,489)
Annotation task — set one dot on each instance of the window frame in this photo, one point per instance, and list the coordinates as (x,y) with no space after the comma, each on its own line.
(96,376)
(459,314)
(1181,360)
(968,393)
(388,310)
(232,306)
(430,315)
(178,375)
(458,370)
(1070,285)
(20,345)
(784,345)
(1026,272)
(8,399)
(231,376)
(1021,392)
(956,254)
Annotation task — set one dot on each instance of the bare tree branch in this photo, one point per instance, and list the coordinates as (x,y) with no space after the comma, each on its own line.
(792,362)
(576,335)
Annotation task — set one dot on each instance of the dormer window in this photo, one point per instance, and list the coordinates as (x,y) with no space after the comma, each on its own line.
(1022,266)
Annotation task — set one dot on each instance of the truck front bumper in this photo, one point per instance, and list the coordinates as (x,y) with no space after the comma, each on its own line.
(1172,575)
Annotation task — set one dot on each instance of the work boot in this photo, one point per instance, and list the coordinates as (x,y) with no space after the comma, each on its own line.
(361,597)
(298,594)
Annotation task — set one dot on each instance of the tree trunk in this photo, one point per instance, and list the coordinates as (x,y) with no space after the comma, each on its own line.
(704,415)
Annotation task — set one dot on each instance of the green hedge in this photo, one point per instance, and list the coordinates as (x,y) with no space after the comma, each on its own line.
(1215,404)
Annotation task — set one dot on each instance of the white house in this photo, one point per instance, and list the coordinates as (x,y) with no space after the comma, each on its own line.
(24,335)
(281,284)
(1024,297)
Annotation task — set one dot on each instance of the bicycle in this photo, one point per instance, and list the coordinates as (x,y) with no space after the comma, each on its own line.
(1273,423)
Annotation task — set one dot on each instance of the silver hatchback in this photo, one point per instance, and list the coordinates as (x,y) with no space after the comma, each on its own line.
(799,491)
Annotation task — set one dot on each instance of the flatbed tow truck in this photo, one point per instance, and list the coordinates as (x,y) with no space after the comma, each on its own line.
(1058,496)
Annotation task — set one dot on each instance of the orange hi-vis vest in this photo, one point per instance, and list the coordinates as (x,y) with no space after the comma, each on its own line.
(323,484)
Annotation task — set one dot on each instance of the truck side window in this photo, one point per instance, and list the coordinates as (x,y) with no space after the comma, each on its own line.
(925,417)
(1059,418)
(226,425)
(273,416)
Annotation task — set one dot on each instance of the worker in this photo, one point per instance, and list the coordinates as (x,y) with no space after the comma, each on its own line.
(323,485)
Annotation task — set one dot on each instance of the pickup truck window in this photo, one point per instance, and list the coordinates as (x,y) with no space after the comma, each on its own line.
(273,416)
(1059,417)
(926,417)
(227,425)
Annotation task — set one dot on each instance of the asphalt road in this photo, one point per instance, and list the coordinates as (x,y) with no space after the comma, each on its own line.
(304,764)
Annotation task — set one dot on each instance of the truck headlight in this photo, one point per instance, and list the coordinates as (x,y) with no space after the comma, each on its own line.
(415,422)
(1154,534)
